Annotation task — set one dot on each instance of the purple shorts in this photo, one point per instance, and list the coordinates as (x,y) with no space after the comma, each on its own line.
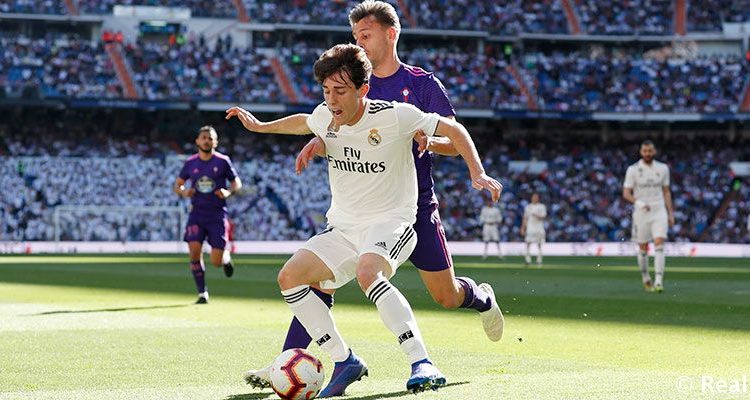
(431,253)
(200,228)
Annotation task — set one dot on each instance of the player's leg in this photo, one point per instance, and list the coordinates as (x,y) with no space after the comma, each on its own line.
(486,245)
(641,235)
(218,236)
(296,338)
(194,236)
(375,267)
(198,269)
(539,244)
(328,258)
(433,260)
(527,258)
(659,232)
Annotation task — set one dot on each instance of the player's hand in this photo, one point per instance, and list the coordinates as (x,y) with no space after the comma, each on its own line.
(523,231)
(423,142)
(188,193)
(311,149)
(248,120)
(671,219)
(484,181)
(222,193)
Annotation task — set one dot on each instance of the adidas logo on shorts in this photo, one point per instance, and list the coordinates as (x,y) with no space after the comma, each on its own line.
(381,245)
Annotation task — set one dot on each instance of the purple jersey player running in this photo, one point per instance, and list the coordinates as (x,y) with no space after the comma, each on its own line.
(376,28)
(208,171)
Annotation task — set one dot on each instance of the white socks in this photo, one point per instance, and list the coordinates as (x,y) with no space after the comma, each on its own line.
(643,265)
(539,256)
(226,257)
(659,263)
(317,319)
(528,253)
(397,316)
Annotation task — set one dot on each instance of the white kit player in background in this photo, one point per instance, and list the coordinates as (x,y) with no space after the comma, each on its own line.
(532,227)
(647,187)
(490,217)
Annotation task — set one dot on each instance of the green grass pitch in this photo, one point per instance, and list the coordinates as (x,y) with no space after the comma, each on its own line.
(124,327)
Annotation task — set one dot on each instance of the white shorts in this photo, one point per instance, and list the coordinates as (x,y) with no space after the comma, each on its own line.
(649,225)
(340,249)
(490,233)
(535,236)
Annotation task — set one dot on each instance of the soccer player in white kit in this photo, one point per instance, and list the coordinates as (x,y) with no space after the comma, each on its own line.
(647,187)
(373,207)
(532,227)
(490,217)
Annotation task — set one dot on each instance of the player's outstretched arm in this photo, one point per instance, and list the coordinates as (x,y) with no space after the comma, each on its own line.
(668,204)
(465,146)
(291,125)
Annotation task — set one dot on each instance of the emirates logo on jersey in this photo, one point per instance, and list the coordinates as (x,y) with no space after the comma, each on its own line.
(374,138)
(405,93)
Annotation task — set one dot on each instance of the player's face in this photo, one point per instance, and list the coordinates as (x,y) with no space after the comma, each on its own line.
(376,39)
(343,99)
(206,142)
(535,198)
(648,152)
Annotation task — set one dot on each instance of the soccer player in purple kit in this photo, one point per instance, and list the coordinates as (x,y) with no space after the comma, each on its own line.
(208,171)
(376,28)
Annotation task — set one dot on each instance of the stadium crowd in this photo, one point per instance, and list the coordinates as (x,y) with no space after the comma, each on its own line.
(609,81)
(597,79)
(196,70)
(56,67)
(644,17)
(581,186)
(505,17)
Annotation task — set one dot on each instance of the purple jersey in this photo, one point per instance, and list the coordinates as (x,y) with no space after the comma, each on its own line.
(425,91)
(206,177)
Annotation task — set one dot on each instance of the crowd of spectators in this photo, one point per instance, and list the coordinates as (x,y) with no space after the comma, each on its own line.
(581,187)
(644,17)
(709,15)
(633,83)
(612,80)
(505,17)
(56,67)
(197,70)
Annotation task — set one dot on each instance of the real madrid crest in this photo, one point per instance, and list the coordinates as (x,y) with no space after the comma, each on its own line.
(374,138)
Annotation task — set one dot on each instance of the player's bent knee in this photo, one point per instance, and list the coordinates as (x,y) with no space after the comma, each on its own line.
(287,278)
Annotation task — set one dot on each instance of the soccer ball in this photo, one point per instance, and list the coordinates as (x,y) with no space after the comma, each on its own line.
(297,374)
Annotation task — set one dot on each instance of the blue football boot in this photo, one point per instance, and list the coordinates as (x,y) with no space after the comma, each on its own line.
(344,374)
(424,376)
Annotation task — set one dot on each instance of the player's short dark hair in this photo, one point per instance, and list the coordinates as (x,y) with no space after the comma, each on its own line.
(211,131)
(647,142)
(345,59)
(383,12)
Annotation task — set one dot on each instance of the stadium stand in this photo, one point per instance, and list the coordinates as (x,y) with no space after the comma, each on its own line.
(582,188)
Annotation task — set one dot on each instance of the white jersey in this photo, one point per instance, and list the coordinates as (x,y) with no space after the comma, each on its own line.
(534,215)
(647,182)
(490,216)
(370,164)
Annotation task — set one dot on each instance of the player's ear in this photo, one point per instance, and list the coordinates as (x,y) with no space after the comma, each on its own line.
(363,90)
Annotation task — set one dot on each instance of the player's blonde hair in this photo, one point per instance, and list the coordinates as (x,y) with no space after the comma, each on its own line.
(211,131)
(383,12)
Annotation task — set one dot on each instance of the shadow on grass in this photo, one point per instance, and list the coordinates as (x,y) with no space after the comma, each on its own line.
(249,396)
(106,310)
(397,394)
